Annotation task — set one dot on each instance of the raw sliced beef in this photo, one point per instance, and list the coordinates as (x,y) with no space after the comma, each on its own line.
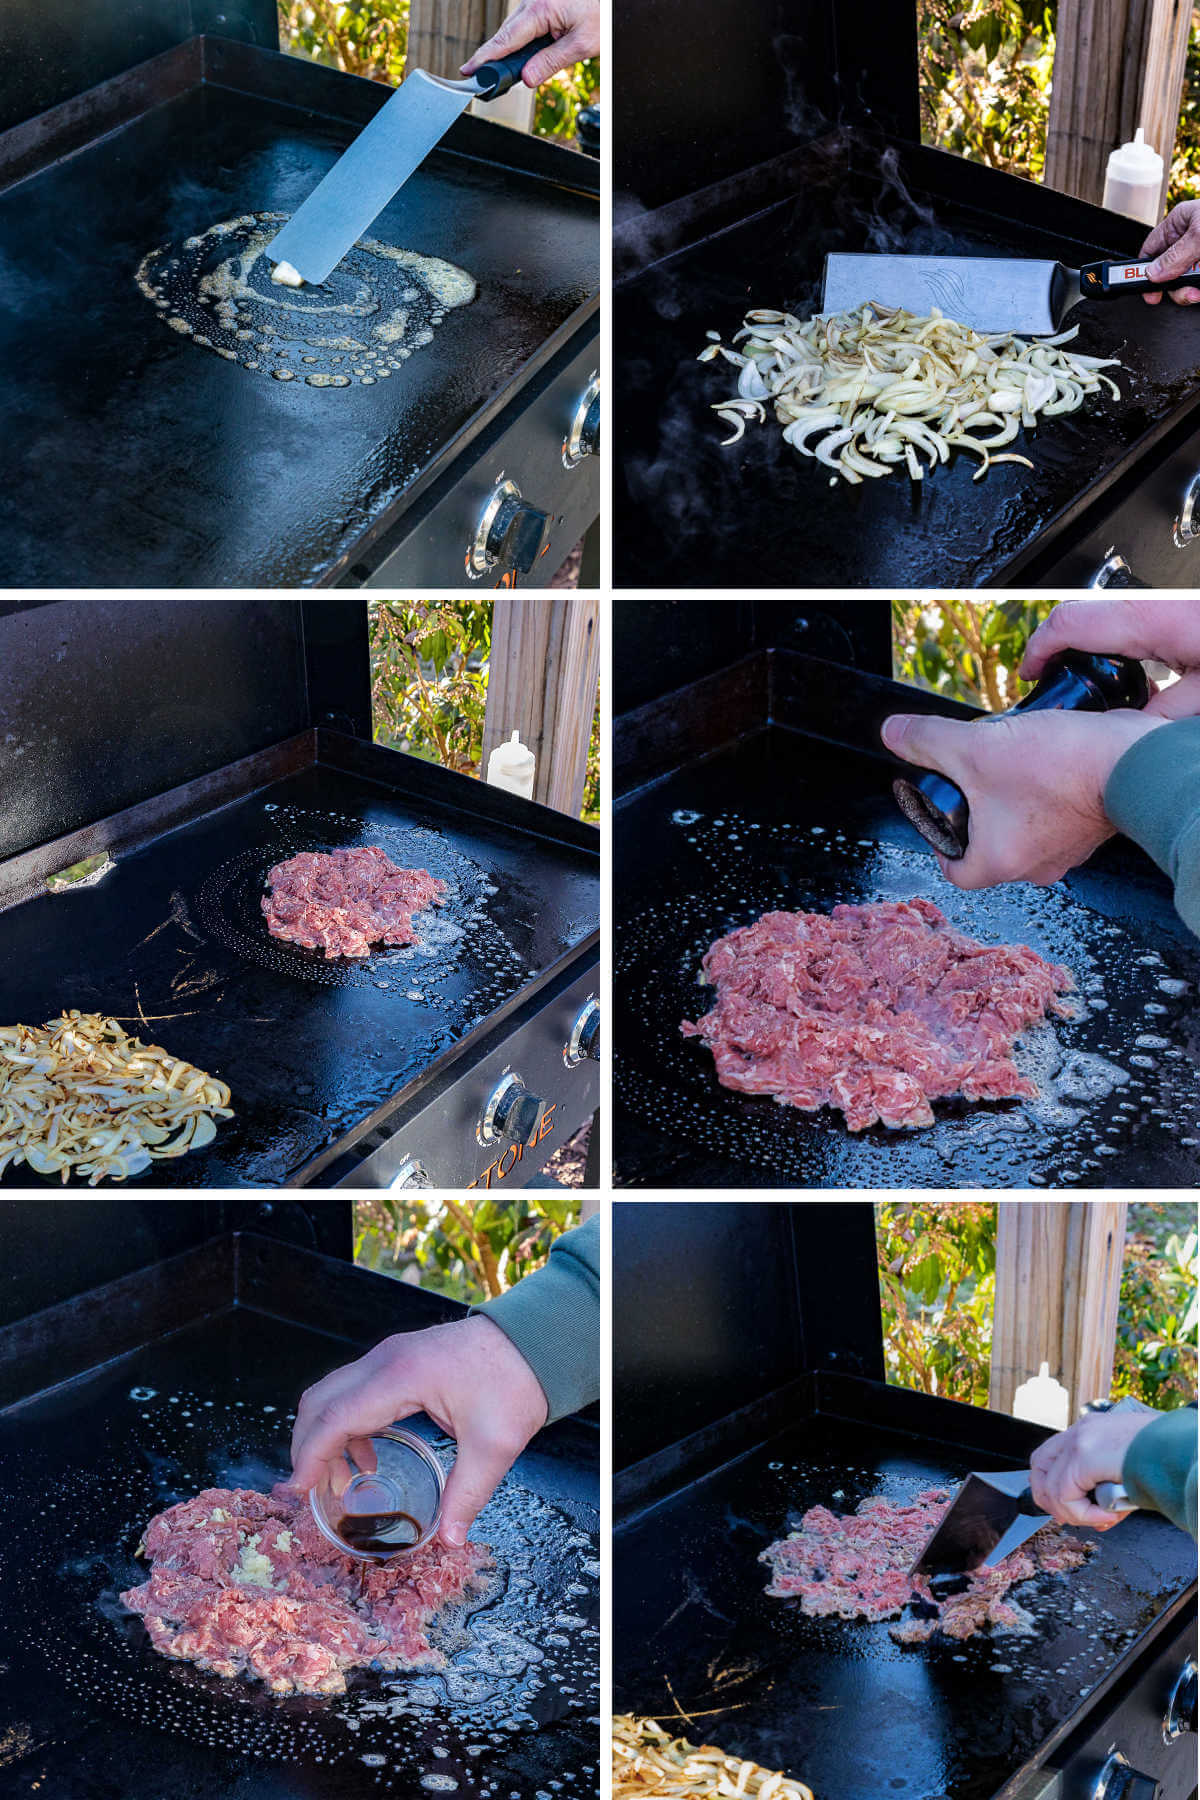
(875,1010)
(855,1566)
(343,901)
(245,1582)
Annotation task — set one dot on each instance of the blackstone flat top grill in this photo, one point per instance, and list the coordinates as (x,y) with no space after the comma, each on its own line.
(743,1406)
(762,786)
(376,1071)
(719,220)
(135,458)
(182,1375)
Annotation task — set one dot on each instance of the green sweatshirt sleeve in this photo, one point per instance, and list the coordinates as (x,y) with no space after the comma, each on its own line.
(553,1317)
(1153,796)
(1160,1467)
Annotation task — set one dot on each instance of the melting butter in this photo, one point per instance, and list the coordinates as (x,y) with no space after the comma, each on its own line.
(380,306)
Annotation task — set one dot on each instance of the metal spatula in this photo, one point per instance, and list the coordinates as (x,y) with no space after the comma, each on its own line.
(988,293)
(381,159)
(991,1516)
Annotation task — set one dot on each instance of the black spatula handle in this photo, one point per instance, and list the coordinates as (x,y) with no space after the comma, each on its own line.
(495,78)
(1109,280)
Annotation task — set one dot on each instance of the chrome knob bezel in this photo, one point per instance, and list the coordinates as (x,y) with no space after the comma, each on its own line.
(479,558)
(573,452)
(572,1054)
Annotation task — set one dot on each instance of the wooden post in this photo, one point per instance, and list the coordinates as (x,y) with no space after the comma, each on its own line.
(1162,88)
(1058,1280)
(1118,64)
(443,33)
(542,679)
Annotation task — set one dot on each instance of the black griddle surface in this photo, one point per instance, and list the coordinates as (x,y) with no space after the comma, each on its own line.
(780,821)
(836,1703)
(136,459)
(91,1712)
(175,936)
(757,514)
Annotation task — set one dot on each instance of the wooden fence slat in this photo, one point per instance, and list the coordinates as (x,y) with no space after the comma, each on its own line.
(542,680)
(1162,89)
(1096,82)
(443,33)
(1118,64)
(1058,1280)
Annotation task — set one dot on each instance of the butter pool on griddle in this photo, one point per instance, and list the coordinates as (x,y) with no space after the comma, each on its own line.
(378,307)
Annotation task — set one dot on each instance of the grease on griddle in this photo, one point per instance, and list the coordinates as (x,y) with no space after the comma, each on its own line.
(379,306)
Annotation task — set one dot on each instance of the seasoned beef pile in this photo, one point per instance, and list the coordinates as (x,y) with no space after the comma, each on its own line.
(875,1010)
(343,901)
(856,1567)
(245,1582)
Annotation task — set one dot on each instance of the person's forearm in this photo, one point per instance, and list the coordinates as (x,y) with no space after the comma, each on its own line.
(1160,1468)
(553,1318)
(1153,796)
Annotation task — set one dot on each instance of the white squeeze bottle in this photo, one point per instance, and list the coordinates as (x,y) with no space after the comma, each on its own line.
(512,766)
(1133,181)
(1043,1400)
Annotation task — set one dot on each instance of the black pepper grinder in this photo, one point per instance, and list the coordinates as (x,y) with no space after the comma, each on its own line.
(1073,681)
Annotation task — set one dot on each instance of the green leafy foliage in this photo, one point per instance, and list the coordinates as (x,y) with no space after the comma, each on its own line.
(937,1263)
(429,673)
(370,37)
(469,1250)
(1160,1307)
(1185,164)
(985,71)
(985,77)
(965,649)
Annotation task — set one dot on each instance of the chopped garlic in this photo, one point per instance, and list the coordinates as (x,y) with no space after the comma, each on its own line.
(284,1541)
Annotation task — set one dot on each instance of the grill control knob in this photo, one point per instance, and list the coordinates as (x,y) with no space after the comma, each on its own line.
(1115,572)
(1187,525)
(411,1174)
(510,531)
(583,1045)
(1119,1780)
(1180,1716)
(583,439)
(512,1115)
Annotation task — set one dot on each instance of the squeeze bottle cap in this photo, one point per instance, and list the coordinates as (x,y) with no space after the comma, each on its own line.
(1136,161)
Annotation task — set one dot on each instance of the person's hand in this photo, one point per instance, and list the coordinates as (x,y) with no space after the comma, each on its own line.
(575,24)
(468,1377)
(1160,630)
(1175,245)
(1066,1468)
(1034,783)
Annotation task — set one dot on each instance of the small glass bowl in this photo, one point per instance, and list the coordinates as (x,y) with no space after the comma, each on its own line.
(390,1473)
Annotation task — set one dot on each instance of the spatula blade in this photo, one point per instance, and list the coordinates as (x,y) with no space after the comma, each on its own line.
(988,293)
(360,184)
(977,1522)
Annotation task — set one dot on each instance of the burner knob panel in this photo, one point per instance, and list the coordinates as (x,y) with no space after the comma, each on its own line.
(1119,1780)
(583,1045)
(1180,1716)
(512,1115)
(510,531)
(583,439)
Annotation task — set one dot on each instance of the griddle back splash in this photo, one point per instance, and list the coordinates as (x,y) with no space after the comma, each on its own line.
(522,1659)
(1124,1068)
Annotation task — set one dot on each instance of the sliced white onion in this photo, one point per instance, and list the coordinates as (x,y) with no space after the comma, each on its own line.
(888,387)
